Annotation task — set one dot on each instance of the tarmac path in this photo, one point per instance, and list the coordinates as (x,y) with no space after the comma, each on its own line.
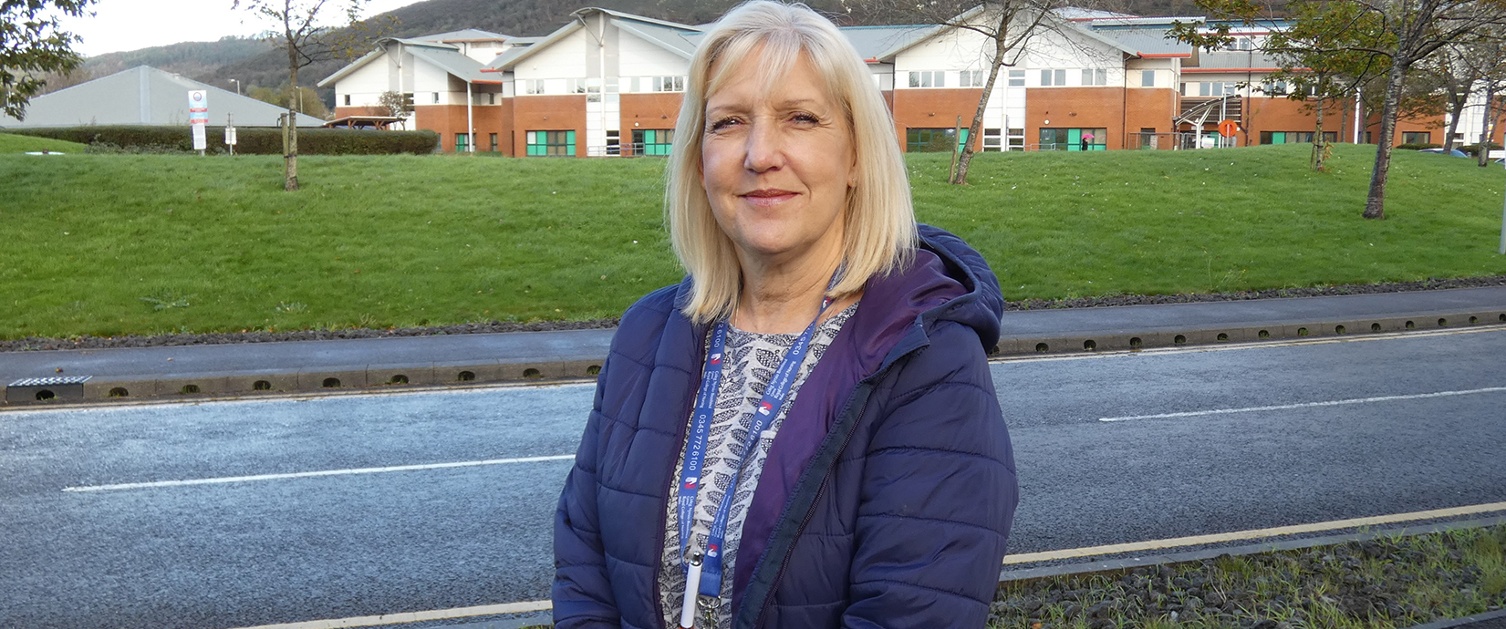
(241,513)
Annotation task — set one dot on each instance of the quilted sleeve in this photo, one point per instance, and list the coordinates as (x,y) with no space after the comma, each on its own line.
(582,592)
(938,493)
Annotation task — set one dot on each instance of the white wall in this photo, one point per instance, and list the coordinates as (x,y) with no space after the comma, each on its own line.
(364,86)
(564,59)
(639,58)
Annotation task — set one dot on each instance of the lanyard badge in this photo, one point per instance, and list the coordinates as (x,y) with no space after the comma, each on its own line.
(704,572)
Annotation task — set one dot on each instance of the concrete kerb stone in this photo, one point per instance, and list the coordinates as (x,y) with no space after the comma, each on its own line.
(319,379)
(399,375)
(261,382)
(203,384)
(468,372)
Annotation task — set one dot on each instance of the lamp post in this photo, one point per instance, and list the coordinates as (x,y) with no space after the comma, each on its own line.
(237,83)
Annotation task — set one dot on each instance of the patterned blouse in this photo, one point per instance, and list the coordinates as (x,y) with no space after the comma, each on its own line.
(751,359)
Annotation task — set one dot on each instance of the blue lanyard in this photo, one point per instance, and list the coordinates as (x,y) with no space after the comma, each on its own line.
(774,397)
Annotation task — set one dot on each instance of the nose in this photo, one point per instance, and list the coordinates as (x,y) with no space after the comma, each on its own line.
(765,146)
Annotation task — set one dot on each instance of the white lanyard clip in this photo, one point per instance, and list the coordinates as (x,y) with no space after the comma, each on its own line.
(692,586)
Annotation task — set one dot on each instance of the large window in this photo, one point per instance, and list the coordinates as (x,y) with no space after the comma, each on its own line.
(1017,78)
(934,140)
(1073,139)
(928,78)
(551,144)
(462,142)
(1147,78)
(1217,89)
(1416,137)
(535,86)
(654,142)
(1053,77)
(973,78)
(669,84)
(1295,137)
(1092,76)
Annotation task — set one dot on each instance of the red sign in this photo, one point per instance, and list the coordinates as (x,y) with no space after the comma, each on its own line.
(1228,128)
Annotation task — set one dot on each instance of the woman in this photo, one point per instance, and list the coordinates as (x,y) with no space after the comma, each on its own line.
(805,430)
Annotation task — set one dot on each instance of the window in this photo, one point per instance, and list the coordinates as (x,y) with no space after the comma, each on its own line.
(655,142)
(493,138)
(1417,137)
(347,100)
(462,142)
(1016,139)
(1274,88)
(1017,78)
(491,98)
(1073,139)
(1147,78)
(669,84)
(934,140)
(436,98)
(1091,76)
(614,142)
(551,144)
(993,140)
(535,86)
(1217,89)
(1147,137)
(973,78)
(928,78)
(1053,77)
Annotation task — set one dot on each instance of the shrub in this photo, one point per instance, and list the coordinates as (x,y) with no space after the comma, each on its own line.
(1474,149)
(249,140)
(1418,146)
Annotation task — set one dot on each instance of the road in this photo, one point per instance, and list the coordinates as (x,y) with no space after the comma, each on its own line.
(241,513)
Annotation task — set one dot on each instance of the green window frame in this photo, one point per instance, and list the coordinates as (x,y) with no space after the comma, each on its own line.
(462,142)
(654,142)
(926,140)
(1079,139)
(550,144)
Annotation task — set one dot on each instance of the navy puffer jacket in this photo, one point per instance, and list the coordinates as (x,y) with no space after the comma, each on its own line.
(887,495)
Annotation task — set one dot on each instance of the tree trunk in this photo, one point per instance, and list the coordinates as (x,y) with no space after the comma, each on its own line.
(973,130)
(1455,107)
(1485,131)
(290,157)
(1375,201)
(1318,143)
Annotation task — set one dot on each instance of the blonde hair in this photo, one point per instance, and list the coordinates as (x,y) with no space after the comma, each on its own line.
(879,221)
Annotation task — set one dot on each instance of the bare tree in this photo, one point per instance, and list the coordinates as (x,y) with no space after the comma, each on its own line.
(301,27)
(394,103)
(1005,25)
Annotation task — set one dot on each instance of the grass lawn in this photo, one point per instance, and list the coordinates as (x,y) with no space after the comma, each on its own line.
(10,144)
(142,244)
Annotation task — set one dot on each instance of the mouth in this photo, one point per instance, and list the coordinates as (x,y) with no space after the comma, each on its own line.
(768,196)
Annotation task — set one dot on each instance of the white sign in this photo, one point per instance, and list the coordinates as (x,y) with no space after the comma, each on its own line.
(230,136)
(198,107)
(199,142)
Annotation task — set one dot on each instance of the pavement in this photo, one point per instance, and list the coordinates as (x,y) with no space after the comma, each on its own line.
(202,371)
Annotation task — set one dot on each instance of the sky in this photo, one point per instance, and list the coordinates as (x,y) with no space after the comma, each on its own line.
(119,25)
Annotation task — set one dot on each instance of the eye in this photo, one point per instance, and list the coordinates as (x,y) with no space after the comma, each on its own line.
(722,124)
(805,118)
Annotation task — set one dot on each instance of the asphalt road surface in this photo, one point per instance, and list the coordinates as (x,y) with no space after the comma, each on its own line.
(232,514)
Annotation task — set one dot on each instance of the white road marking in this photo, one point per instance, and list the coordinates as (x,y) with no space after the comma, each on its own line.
(407,617)
(347,472)
(1287,407)
(1235,536)
(1070,553)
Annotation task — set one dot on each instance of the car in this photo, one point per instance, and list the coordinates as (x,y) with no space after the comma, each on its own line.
(1450,152)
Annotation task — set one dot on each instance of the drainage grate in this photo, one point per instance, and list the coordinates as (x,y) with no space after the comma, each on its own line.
(46,389)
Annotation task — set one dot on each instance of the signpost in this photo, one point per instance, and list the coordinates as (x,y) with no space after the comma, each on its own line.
(1228,128)
(198,116)
(230,134)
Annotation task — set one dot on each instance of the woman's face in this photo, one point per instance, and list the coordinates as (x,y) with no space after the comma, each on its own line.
(777,166)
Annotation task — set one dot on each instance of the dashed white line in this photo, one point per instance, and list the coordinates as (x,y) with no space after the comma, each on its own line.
(316,474)
(1287,407)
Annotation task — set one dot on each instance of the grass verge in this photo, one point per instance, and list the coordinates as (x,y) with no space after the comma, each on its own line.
(11,143)
(110,245)
(1398,581)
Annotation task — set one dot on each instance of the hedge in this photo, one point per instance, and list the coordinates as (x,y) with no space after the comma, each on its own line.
(249,140)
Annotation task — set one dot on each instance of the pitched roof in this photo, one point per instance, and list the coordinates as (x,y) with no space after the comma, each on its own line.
(466,35)
(144,95)
(872,42)
(456,64)
(667,35)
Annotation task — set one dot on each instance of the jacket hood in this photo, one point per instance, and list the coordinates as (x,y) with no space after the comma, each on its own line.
(981,306)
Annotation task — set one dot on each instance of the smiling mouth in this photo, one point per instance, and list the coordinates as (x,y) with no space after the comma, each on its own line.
(768,196)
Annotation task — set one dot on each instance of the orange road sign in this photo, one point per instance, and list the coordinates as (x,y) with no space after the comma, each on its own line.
(1228,128)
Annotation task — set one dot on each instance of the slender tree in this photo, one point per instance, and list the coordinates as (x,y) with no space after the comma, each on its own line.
(1005,25)
(302,28)
(1396,34)
(33,44)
